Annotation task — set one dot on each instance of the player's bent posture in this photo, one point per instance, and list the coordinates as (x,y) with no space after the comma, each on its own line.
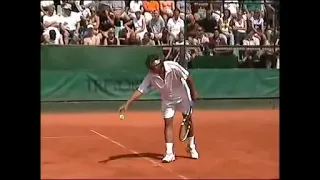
(173,83)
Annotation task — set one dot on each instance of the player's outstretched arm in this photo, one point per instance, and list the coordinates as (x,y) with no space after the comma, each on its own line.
(136,95)
(144,88)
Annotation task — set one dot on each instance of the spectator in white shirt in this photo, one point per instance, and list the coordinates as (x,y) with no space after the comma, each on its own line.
(134,6)
(239,28)
(139,26)
(175,26)
(70,24)
(51,21)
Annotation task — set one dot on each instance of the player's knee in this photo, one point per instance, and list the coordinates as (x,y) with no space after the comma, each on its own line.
(168,122)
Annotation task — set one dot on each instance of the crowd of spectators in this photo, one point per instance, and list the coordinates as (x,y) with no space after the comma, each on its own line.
(205,24)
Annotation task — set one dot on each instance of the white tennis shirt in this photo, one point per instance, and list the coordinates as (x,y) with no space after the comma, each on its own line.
(173,88)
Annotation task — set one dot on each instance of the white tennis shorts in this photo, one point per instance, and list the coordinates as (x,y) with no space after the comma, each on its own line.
(169,108)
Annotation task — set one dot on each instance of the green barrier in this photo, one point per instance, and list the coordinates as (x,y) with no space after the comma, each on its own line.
(103,85)
(227,61)
(98,58)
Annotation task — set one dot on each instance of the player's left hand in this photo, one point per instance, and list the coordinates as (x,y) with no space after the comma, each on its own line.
(194,96)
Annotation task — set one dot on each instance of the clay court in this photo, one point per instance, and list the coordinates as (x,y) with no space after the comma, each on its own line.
(232,144)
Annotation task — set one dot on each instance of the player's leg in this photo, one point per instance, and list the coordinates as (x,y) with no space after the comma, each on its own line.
(168,114)
(184,107)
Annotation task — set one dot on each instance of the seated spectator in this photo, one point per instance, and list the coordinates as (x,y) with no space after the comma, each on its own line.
(50,19)
(250,55)
(156,26)
(147,40)
(175,26)
(134,6)
(201,40)
(257,24)
(181,51)
(149,7)
(166,9)
(239,28)
(175,52)
(94,20)
(111,39)
(70,24)
(253,39)
(218,39)
(208,23)
(139,26)
(132,40)
(118,8)
(90,38)
(107,19)
(53,37)
(192,29)
(216,11)
(185,9)
(225,26)
(200,9)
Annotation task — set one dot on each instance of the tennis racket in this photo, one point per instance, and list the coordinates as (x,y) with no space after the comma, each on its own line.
(185,126)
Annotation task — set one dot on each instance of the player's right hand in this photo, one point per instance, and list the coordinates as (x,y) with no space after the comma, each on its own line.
(123,107)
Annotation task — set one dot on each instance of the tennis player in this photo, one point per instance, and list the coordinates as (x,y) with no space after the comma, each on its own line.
(173,83)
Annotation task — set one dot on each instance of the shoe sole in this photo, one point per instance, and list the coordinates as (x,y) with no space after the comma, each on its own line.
(164,161)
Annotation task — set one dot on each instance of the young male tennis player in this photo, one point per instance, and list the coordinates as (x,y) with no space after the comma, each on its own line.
(173,83)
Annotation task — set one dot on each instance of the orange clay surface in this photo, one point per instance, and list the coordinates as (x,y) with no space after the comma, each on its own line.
(232,144)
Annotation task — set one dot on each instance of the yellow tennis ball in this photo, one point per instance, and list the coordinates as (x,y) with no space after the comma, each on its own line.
(121,117)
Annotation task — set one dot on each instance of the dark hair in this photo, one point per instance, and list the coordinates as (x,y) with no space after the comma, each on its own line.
(52,34)
(150,62)
(176,10)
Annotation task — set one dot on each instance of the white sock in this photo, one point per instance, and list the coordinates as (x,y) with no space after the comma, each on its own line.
(191,142)
(169,148)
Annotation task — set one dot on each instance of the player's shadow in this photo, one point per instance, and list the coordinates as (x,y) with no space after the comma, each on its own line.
(155,156)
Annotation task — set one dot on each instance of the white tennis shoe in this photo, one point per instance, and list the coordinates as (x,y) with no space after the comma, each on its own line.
(193,153)
(169,158)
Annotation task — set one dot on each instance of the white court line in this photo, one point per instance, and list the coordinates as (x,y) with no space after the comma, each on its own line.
(63,137)
(135,152)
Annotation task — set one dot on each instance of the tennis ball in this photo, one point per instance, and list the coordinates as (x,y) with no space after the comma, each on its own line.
(121,117)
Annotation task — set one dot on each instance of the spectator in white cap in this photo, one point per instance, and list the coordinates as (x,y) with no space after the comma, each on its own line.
(70,24)
(90,38)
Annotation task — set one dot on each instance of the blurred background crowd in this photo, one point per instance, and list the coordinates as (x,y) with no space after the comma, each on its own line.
(202,25)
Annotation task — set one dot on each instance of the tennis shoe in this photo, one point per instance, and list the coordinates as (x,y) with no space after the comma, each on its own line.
(169,158)
(193,153)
